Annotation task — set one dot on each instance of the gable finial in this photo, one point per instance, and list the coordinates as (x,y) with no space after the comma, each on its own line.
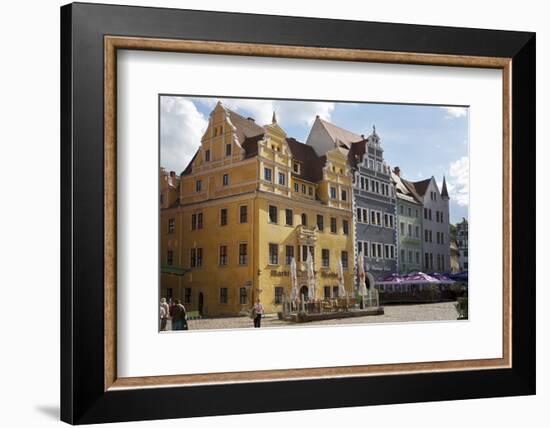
(274,118)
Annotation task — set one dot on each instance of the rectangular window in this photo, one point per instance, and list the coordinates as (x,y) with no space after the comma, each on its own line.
(325,254)
(289,217)
(243,213)
(426,234)
(170,258)
(273,254)
(332,225)
(426,213)
(372,217)
(345,227)
(387,254)
(409,210)
(193,261)
(225,179)
(401,209)
(326,291)
(359,246)
(378,219)
(304,219)
(171,225)
(410,230)
(289,254)
(410,256)
(416,232)
(223,295)
(199,221)
(373,251)
(335,291)
(223,255)
(267,174)
(430,213)
(193,221)
(310,191)
(296,187)
(426,260)
(223,217)
(282,179)
(320,221)
(402,255)
(207,156)
(344,195)
(333,193)
(278,295)
(228,149)
(296,168)
(359,215)
(344,259)
(304,189)
(198,186)
(243,254)
(417,257)
(198,257)
(272,214)
(187,295)
(242,296)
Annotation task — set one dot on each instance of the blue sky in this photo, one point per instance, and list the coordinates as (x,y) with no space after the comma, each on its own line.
(421,140)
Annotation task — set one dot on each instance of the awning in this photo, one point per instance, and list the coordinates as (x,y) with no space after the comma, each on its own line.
(173,270)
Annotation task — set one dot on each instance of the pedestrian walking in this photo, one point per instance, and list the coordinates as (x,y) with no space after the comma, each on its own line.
(257,313)
(164,314)
(179,321)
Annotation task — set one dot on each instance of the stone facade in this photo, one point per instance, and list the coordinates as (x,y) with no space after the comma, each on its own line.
(435,221)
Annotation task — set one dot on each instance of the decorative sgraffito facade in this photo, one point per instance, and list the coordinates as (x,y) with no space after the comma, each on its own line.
(250,200)
(375,207)
(374,196)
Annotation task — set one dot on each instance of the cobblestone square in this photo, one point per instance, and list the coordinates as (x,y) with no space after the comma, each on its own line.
(393,314)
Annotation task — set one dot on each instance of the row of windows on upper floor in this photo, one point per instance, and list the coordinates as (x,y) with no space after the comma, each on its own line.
(377,250)
(377,218)
(373,164)
(375,186)
(281,180)
(428,237)
(439,215)
(196,255)
(197,219)
(273,217)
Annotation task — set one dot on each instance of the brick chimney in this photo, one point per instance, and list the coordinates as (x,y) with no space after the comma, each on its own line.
(397,171)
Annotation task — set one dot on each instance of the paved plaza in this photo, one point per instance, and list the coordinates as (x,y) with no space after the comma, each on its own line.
(398,313)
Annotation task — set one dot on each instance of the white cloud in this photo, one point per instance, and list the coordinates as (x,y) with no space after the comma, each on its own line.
(458,181)
(182,125)
(181,129)
(455,112)
(288,112)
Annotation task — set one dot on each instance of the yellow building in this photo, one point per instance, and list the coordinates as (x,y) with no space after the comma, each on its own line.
(250,200)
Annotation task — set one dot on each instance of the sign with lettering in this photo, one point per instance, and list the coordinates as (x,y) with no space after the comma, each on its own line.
(280,272)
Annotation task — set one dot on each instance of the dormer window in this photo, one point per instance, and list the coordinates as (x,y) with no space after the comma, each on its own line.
(296,168)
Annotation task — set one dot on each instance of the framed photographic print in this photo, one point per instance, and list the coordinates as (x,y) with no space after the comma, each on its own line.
(273,213)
